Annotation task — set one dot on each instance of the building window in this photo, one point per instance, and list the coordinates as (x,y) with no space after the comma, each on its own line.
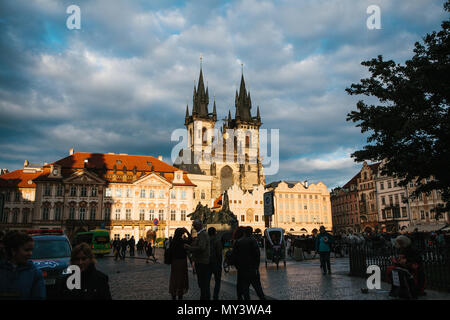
(47,190)
(203,195)
(242,218)
(183,215)
(152,215)
(305,207)
(389,184)
(172,215)
(128,214)
(256,218)
(183,194)
(25,217)
(107,213)
(161,215)
(383,201)
(58,213)
(108,192)
(5,217)
(117,214)
(382,185)
(142,193)
(173,194)
(73,191)
(83,192)
(141,214)
(161,194)
(118,192)
(293,219)
(94,191)
(82,213)
(151,194)
(59,190)
(45,213)
(71,213)
(404,214)
(15,216)
(383,213)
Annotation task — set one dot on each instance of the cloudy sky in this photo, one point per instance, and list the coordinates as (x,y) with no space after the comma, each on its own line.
(121,83)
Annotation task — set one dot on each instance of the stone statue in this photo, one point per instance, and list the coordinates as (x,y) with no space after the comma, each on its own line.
(224,216)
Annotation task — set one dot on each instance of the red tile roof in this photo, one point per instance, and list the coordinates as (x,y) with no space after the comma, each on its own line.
(105,164)
(99,160)
(19,179)
(217,203)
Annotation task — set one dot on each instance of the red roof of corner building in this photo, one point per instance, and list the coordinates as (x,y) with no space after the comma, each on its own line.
(374,167)
(217,203)
(19,179)
(353,180)
(100,161)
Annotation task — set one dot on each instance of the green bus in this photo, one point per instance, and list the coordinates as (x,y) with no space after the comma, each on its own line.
(98,239)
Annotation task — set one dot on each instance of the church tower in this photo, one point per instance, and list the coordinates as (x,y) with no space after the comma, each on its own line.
(200,121)
(241,165)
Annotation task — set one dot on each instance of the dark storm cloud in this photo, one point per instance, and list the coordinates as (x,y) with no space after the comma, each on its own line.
(122,82)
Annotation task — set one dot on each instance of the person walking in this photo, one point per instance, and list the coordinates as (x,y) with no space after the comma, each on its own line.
(246,260)
(215,261)
(123,248)
(132,245)
(177,257)
(149,250)
(19,277)
(94,283)
(255,280)
(323,246)
(200,256)
(116,249)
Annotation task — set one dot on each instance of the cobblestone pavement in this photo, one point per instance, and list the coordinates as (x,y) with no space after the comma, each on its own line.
(299,280)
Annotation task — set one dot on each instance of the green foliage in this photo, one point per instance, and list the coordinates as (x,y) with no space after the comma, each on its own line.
(410,127)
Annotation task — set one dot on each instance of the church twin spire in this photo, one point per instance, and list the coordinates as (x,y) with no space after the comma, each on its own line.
(243,105)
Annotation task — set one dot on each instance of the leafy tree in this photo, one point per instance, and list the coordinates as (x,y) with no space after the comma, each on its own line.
(410,126)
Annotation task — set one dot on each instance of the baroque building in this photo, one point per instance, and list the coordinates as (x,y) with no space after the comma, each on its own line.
(301,207)
(123,193)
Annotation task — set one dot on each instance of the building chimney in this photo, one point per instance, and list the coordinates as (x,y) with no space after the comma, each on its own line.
(305,183)
(160,158)
(71,151)
(26,163)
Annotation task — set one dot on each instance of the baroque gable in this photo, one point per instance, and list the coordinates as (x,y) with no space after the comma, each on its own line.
(152,180)
(84,177)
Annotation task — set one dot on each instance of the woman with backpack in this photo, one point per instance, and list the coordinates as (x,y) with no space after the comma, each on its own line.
(177,258)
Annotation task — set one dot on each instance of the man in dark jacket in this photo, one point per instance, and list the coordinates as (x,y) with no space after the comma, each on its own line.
(200,254)
(132,244)
(256,281)
(246,256)
(123,247)
(323,246)
(215,261)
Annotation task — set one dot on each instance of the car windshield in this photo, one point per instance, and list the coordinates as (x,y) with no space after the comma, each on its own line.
(47,249)
(84,238)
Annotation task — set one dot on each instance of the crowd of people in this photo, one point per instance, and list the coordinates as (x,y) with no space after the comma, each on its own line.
(120,248)
(206,253)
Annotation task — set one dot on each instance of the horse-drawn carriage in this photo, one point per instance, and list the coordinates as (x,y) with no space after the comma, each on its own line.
(274,246)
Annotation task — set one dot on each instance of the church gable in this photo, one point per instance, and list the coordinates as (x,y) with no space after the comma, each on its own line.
(152,180)
(84,177)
